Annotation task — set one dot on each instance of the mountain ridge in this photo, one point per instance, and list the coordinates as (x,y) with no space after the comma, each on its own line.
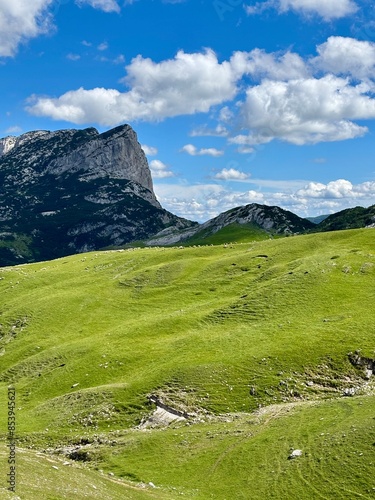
(350,218)
(72,191)
(113,153)
(272,220)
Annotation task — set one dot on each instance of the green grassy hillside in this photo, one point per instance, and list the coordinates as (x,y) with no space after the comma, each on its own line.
(235,232)
(350,218)
(250,339)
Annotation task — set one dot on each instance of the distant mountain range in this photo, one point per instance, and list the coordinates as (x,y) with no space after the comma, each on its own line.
(264,221)
(73,191)
(351,218)
(318,219)
(260,218)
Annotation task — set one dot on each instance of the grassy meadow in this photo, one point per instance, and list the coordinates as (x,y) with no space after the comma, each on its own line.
(250,339)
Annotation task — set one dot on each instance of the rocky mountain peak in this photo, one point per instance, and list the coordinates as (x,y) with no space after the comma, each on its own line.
(273,219)
(115,154)
(70,191)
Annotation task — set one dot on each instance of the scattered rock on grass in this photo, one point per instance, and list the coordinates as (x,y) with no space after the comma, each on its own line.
(295,454)
(349,391)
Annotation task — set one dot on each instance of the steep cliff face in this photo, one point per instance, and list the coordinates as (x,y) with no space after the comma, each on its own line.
(71,191)
(115,154)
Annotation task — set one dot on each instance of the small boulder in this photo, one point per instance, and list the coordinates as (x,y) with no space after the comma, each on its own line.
(295,454)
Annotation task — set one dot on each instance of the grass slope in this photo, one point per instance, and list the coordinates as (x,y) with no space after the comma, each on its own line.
(43,477)
(224,330)
(235,232)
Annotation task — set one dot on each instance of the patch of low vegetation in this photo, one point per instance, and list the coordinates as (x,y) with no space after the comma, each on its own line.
(249,342)
(349,218)
(43,476)
(235,232)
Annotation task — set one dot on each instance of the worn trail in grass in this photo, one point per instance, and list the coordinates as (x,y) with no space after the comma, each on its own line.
(246,456)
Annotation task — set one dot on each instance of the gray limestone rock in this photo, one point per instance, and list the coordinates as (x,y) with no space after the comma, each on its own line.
(72,191)
(295,454)
(271,219)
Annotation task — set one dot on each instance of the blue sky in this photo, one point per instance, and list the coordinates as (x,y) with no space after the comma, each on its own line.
(234,101)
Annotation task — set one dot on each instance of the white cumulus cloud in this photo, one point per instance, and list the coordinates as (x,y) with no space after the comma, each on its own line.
(306,111)
(193,151)
(279,95)
(149,150)
(231,174)
(348,56)
(21,20)
(159,170)
(187,84)
(332,9)
(260,64)
(326,9)
(340,188)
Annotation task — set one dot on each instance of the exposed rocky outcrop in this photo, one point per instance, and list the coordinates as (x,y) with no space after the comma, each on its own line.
(71,191)
(366,364)
(172,235)
(7,144)
(272,219)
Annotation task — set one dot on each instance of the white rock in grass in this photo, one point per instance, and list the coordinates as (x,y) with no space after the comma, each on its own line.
(295,454)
